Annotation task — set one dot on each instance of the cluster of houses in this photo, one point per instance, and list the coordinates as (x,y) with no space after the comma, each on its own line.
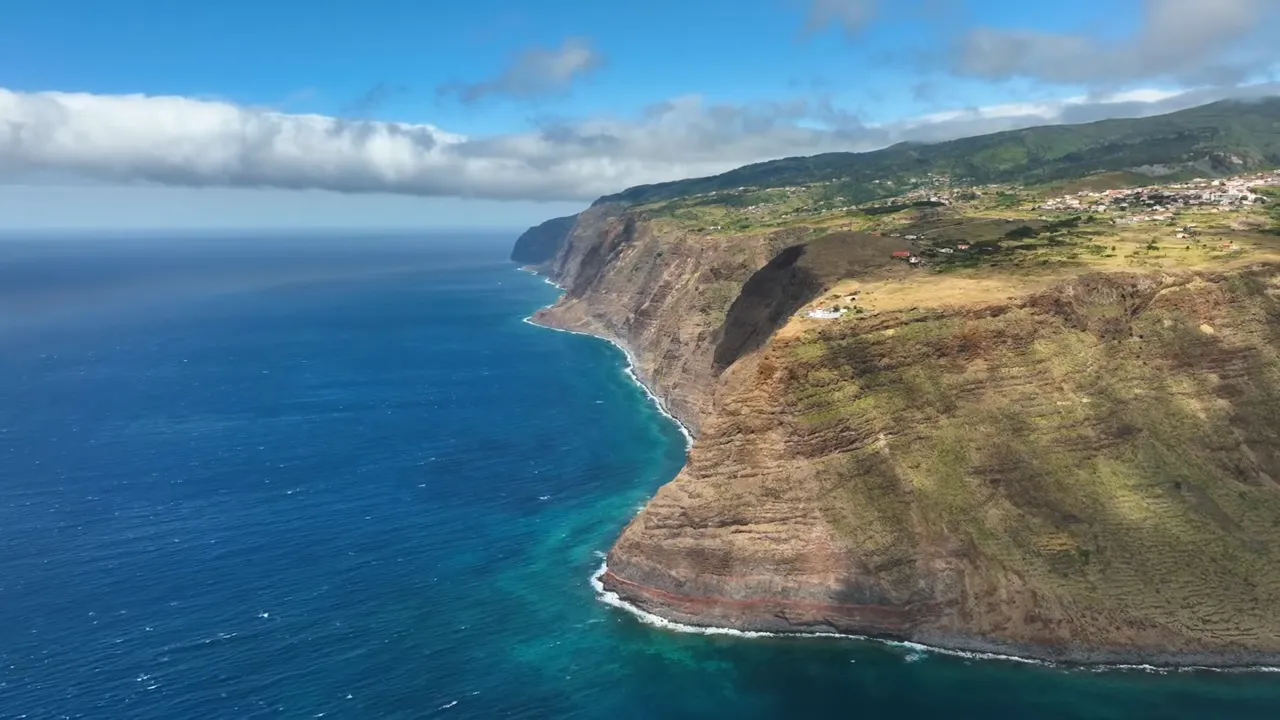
(928,180)
(1143,204)
(931,188)
(1143,217)
(1155,202)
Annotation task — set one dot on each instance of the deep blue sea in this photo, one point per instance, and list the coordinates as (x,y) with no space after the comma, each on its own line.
(339,476)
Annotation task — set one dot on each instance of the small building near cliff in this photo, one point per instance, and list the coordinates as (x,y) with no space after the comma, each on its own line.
(827,313)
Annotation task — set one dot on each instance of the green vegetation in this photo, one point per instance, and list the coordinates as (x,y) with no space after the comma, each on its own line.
(1217,139)
(1006,199)
(899,207)
(714,299)
(1272,194)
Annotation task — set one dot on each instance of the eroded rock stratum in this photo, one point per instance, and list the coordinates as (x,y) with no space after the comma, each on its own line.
(1080,463)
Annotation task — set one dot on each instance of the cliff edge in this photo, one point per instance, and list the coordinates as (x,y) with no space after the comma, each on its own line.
(1079,468)
(962,422)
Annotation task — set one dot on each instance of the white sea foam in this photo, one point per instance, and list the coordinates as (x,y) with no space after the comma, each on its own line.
(608,597)
(916,651)
(630,371)
(545,279)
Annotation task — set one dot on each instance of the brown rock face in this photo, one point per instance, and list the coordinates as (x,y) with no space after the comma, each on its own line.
(1080,473)
(660,293)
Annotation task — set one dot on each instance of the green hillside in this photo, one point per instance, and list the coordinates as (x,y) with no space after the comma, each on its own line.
(1217,139)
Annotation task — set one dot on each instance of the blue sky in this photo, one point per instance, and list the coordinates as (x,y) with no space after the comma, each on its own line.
(388,111)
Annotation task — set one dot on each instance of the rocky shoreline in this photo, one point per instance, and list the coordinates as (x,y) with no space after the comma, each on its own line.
(548,322)
(775,617)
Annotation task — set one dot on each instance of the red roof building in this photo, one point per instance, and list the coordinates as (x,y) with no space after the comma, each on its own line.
(902,253)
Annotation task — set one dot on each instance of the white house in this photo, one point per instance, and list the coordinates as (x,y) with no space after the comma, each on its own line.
(827,314)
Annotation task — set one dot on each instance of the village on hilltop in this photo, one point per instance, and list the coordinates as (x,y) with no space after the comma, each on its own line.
(1221,194)
(826,203)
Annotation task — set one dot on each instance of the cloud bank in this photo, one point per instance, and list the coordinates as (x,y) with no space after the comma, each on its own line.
(198,143)
(1192,41)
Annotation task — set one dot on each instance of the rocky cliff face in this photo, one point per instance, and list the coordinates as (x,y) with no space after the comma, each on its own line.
(1088,470)
(661,292)
(541,243)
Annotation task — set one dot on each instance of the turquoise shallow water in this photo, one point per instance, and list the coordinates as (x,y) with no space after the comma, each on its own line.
(341,477)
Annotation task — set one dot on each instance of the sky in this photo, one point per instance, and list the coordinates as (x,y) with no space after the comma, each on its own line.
(503,113)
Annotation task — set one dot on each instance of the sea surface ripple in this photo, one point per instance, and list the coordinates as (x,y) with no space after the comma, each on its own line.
(340,476)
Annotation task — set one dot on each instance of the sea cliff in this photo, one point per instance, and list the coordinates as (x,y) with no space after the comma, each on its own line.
(1082,472)
(949,415)
(540,243)
(661,292)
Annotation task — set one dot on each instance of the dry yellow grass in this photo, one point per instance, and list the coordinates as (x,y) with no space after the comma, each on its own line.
(1127,480)
(1215,243)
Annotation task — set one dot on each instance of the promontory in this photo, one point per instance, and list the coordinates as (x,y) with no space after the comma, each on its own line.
(1017,393)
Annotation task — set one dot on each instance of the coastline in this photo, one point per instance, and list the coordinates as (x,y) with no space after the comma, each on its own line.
(970,648)
(630,368)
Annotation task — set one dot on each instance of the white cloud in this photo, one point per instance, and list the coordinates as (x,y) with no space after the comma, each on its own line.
(197,143)
(1197,41)
(534,72)
(1053,110)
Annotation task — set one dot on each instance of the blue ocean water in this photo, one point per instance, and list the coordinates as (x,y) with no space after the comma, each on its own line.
(339,476)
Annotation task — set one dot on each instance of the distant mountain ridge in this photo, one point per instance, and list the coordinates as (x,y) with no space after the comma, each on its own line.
(1220,138)
(540,243)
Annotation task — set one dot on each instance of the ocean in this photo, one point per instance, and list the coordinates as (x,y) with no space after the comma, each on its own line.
(339,476)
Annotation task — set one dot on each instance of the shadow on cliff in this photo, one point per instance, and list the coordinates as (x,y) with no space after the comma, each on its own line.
(792,279)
